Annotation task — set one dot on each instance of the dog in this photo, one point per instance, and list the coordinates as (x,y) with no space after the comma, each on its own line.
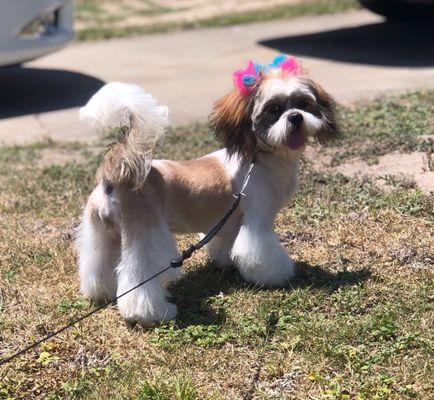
(126,231)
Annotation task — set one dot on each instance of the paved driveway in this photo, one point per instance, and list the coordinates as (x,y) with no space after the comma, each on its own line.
(353,55)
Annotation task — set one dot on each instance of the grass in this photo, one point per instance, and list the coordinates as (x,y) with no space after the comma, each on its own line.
(357,322)
(387,125)
(98,24)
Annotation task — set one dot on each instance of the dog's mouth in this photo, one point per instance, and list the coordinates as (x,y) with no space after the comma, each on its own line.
(296,139)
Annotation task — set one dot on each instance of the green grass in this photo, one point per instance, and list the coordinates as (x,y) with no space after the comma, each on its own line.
(356,323)
(179,389)
(103,29)
(387,125)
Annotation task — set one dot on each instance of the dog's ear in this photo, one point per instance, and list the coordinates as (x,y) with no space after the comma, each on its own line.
(327,108)
(232,124)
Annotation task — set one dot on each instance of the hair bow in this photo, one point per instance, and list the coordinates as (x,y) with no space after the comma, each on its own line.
(245,79)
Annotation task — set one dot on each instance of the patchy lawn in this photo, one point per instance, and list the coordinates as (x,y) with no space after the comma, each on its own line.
(357,323)
(96,19)
(390,141)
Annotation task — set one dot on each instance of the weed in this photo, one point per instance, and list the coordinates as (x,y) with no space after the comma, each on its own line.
(177,389)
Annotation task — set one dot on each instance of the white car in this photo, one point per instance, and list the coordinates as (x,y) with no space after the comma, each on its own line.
(32,28)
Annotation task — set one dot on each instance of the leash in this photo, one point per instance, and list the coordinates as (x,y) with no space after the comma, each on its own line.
(177,263)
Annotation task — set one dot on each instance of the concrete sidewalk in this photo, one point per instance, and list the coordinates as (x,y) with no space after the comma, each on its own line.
(189,70)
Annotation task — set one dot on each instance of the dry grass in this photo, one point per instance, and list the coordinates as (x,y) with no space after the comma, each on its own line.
(356,324)
(97,19)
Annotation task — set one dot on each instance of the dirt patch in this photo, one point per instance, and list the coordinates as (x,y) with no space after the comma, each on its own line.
(58,157)
(415,169)
(63,156)
(140,13)
(413,166)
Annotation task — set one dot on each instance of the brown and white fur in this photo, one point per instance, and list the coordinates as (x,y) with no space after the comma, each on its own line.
(126,234)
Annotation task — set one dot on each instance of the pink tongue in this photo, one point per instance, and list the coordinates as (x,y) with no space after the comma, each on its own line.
(296,140)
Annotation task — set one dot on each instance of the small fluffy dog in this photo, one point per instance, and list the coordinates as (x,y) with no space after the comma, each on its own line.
(126,233)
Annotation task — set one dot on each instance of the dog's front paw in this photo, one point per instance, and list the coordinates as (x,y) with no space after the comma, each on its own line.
(161,312)
(96,290)
(260,258)
(172,275)
(219,250)
(222,261)
(141,311)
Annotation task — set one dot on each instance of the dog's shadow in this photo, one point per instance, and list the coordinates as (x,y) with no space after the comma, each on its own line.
(194,291)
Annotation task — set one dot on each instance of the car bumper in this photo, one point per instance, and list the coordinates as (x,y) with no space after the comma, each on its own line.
(15,47)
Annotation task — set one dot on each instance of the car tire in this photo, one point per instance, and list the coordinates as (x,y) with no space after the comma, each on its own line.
(399,9)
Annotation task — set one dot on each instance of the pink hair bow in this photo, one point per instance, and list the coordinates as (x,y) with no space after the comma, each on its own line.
(245,79)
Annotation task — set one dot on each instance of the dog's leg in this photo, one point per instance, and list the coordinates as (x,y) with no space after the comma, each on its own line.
(98,246)
(258,254)
(219,249)
(147,247)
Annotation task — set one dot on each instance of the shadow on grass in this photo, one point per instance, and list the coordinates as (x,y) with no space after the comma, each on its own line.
(315,277)
(192,292)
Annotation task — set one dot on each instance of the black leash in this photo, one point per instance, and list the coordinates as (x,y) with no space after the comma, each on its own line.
(185,254)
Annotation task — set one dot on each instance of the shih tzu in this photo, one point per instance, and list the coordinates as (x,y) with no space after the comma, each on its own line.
(126,233)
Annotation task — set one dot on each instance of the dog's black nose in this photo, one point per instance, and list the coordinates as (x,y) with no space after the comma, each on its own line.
(296,119)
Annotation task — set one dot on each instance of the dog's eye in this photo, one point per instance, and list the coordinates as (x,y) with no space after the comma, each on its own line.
(274,109)
(301,104)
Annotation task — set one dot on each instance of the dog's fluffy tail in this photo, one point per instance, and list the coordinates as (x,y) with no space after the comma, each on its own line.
(140,121)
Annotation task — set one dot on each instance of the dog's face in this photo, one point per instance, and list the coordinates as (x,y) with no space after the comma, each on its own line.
(282,113)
